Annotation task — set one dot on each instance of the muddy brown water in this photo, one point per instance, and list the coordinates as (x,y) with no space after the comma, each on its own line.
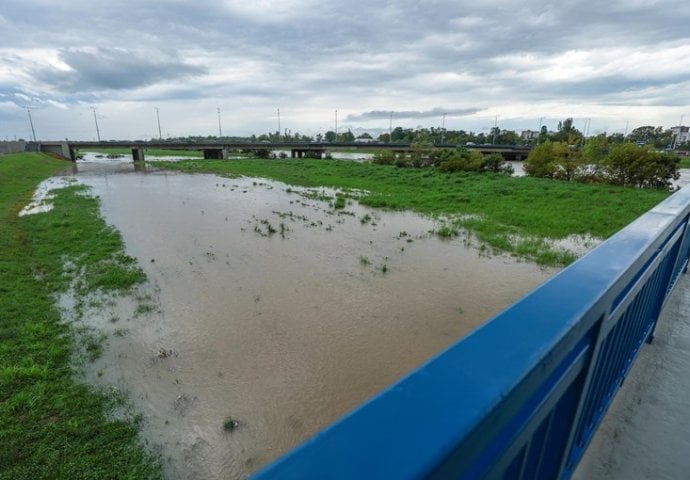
(281,332)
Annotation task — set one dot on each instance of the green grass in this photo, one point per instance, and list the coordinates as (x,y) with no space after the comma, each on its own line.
(52,427)
(511,214)
(684,162)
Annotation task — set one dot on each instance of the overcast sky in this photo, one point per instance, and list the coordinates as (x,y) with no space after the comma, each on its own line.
(514,62)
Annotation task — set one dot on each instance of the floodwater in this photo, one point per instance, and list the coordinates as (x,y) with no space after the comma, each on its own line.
(273,311)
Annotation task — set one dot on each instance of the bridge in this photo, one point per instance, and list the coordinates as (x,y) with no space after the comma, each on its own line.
(220,150)
(523,395)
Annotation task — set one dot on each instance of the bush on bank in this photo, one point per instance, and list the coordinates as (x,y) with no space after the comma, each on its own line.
(625,164)
(457,160)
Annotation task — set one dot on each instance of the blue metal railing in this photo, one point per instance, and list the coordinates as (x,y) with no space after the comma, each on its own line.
(521,396)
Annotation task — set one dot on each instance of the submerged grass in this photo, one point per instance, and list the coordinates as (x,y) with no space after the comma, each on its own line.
(52,427)
(499,209)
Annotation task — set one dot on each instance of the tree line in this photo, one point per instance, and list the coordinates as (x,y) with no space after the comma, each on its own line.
(656,136)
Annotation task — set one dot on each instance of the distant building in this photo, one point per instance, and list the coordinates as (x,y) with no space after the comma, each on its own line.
(529,135)
(681,135)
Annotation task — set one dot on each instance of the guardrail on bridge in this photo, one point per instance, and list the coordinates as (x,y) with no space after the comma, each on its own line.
(521,396)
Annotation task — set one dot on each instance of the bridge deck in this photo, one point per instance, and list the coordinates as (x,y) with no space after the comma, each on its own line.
(646,433)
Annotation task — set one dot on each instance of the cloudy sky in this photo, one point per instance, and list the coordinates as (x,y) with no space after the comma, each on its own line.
(615,63)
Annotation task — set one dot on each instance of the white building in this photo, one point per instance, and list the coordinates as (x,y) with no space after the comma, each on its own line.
(681,135)
(529,135)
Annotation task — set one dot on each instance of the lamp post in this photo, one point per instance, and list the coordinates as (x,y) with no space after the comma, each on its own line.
(220,130)
(95,119)
(160,135)
(443,129)
(31,122)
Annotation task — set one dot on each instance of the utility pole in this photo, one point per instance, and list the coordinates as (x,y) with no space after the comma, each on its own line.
(336,124)
(279,124)
(443,129)
(493,142)
(160,135)
(390,129)
(95,119)
(31,122)
(220,130)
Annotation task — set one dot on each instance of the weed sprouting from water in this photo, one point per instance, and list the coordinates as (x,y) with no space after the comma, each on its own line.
(230,424)
(144,309)
(365,219)
(446,231)
(364,260)
(340,202)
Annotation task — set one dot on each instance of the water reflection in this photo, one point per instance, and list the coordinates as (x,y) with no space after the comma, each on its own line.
(274,309)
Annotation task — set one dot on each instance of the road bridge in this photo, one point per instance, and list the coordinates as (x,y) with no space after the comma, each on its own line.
(219,150)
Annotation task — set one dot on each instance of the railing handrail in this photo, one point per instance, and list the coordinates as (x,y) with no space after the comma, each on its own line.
(521,396)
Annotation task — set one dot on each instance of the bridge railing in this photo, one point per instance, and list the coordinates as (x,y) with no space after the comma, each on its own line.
(521,396)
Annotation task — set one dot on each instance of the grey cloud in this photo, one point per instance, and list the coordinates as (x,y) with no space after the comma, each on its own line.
(410,114)
(114,69)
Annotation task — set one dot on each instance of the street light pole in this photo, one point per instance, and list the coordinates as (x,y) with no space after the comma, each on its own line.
(279,124)
(443,130)
(160,135)
(220,130)
(336,125)
(31,122)
(95,119)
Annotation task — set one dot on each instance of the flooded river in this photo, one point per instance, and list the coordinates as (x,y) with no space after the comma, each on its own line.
(271,310)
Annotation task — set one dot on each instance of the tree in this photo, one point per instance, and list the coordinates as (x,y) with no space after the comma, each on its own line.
(541,161)
(346,137)
(594,154)
(330,136)
(648,134)
(568,161)
(497,164)
(567,133)
(461,160)
(631,165)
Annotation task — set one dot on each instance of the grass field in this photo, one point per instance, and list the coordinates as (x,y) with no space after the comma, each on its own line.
(52,427)
(512,214)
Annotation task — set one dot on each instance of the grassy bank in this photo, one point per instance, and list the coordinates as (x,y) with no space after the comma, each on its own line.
(506,213)
(52,427)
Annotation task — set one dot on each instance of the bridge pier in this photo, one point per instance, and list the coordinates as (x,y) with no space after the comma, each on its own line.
(215,153)
(62,149)
(307,152)
(137,154)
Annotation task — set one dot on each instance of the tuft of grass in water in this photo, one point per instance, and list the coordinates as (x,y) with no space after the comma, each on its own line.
(340,201)
(492,205)
(144,309)
(364,260)
(446,231)
(230,424)
(50,425)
